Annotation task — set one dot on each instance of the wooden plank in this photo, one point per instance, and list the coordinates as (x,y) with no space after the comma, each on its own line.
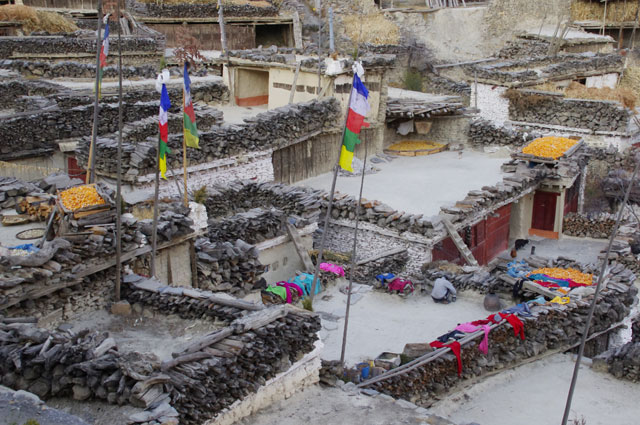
(302,253)
(534,287)
(459,243)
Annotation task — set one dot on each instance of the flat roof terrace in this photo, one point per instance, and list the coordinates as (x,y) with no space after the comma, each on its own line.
(422,184)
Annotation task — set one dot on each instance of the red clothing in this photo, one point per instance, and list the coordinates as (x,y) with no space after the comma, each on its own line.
(516,323)
(455,349)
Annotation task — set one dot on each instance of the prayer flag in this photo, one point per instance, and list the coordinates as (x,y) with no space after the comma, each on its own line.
(104,52)
(358,110)
(165,104)
(190,130)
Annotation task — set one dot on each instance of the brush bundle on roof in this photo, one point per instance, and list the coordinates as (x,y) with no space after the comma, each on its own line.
(36,20)
(617,11)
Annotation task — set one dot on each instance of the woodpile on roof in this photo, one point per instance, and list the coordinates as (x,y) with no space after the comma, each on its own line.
(412,108)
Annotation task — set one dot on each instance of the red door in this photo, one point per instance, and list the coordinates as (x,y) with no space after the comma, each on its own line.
(74,170)
(497,232)
(544,213)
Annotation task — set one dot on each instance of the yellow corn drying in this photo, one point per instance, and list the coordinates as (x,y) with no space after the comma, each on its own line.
(573,274)
(549,147)
(80,197)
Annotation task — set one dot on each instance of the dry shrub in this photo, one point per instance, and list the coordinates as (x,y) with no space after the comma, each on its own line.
(372,28)
(617,11)
(623,95)
(627,94)
(521,100)
(36,20)
(631,79)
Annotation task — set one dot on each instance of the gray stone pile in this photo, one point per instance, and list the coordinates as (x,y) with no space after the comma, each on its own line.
(553,109)
(551,326)
(435,83)
(231,267)
(12,189)
(485,133)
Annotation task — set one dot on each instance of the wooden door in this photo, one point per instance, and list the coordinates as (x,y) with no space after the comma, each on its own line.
(544,210)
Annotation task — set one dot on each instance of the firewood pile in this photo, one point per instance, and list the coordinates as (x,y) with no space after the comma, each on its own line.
(623,362)
(253,226)
(227,266)
(268,130)
(414,108)
(186,303)
(209,375)
(584,226)
(212,375)
(241,196)
(551,326)
(463,279)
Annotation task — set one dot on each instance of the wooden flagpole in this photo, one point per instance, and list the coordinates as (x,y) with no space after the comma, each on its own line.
(94,131)
(325,229)
(184,150)
(353,258)
(154,235)
(119,161)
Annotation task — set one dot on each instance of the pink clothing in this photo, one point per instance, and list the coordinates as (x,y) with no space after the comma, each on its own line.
(290,287)
(469,328)
(399,285)
(328,267)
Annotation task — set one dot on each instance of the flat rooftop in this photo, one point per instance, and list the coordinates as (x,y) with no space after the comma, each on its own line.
(422,184)
(379,321)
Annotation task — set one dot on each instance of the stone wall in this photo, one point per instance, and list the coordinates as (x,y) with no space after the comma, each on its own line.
(552,327)
(485,133)
(523,48)
(69,69)
(552,109)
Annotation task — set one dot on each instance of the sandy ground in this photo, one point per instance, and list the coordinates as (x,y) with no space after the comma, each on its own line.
(236,114)
(332,406)
(380,322)
(421,185)
(143,334)
(536,394)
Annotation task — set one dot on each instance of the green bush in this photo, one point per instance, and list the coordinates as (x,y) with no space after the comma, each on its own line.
(412,80)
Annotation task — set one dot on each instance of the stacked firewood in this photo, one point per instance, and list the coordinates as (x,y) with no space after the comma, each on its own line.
(62,364)
(222,367)
(226,266)
(585,226)
(253,226)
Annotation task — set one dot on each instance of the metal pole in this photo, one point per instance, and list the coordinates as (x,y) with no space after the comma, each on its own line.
(592,308)
(94,131)
(325,229)
(332,46)
(154,236)
(353,259)
(475,90)
(119,161)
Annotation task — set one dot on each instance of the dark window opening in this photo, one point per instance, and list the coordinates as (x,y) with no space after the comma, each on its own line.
(270,35)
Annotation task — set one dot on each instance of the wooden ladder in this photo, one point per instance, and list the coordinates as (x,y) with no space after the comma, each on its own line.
(462,247)
(302,253)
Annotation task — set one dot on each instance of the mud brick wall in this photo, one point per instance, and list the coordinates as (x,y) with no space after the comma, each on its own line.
(553,109)
(552,327)
(485,133)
